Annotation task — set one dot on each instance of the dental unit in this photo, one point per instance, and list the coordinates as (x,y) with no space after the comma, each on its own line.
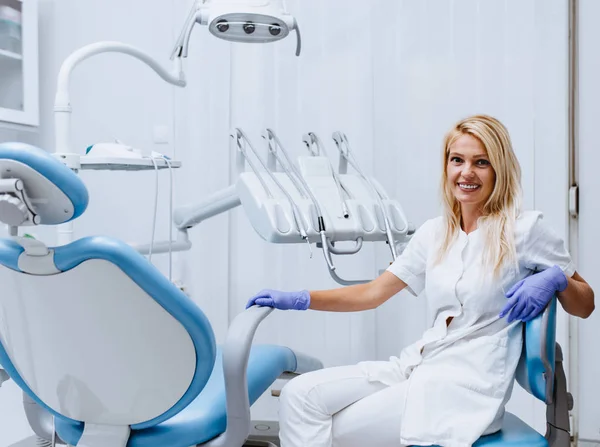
(133,361)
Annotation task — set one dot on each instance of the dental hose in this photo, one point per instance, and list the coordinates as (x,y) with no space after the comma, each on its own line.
(320,219)
(336,178)
(295,212)
(388,229)
(155,209)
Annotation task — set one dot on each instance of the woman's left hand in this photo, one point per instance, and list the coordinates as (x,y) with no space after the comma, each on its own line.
(529,297)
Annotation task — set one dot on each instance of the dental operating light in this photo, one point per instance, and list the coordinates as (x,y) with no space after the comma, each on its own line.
(249,21)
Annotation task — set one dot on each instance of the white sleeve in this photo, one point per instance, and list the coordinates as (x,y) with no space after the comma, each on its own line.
(545,248)
(411,265)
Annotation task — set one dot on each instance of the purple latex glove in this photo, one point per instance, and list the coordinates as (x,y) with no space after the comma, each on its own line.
(299,300)
(529,297)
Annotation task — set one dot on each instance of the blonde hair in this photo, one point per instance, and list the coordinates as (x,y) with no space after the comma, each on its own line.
(502,207)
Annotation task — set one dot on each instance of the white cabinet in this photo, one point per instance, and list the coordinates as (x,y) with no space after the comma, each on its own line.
(19,84)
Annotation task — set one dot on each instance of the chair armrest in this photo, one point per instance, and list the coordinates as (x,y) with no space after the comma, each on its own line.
(535,372)
(236,352)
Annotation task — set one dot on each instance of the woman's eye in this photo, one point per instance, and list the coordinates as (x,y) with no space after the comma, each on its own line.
(455,160)
(483,162)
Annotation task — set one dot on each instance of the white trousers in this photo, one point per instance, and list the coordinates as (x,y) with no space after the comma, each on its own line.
(340,407)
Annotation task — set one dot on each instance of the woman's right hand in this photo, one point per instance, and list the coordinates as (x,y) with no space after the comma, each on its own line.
(299,300)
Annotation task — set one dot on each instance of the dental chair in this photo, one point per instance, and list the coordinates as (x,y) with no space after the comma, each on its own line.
(540,372)
(102,341)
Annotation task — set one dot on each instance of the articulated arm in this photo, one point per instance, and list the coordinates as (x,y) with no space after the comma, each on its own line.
(191,215)
(62,102)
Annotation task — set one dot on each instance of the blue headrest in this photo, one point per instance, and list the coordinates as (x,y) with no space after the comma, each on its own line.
(536,367)
(52,170)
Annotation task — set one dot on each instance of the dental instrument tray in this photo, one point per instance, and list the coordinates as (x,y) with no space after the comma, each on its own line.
(275,217)
(121,157)
(124,163)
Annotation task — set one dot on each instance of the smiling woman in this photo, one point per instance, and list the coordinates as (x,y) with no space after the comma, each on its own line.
(481,184)
(483,260)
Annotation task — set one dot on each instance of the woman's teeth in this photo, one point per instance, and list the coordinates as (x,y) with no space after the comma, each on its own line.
(467,187)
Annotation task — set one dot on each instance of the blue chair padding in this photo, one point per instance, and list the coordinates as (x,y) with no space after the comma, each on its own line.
(205,418)
(538,341)
(149,279)
(48,166)
(9,254)
(514,433)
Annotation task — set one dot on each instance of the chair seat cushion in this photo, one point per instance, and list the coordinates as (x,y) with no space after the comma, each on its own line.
(204,418)
(514,433)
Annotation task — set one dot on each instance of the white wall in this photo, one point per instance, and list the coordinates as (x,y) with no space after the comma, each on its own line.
(392,75)
(589,239)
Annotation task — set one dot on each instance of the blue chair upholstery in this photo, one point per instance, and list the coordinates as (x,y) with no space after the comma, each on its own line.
(514,433)
(202,413)
(538,360)
(206,416)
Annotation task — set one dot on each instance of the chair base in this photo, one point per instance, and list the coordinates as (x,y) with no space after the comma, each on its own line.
(263,434)
(259,444)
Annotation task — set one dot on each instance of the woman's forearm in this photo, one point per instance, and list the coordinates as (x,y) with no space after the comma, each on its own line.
(578,298)
(358,297)
(344,299)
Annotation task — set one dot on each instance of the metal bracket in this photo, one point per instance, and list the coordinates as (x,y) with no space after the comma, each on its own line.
(341,143)
(14,187)
(3,376)
(342,251)
(557,413)
(311,141)
(574,201)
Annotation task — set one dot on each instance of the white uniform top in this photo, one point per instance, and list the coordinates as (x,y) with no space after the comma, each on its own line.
(461,376)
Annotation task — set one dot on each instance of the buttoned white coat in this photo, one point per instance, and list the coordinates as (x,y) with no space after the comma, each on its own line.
(460,376)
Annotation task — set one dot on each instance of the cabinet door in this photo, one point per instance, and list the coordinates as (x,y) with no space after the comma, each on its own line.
(19,88)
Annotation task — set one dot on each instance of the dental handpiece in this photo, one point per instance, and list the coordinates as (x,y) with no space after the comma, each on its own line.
(320,219)
(300,224)
(311,138)
(286,170)
(343,146)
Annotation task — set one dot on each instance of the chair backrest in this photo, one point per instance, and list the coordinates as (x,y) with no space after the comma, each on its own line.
(535,372)
(91,330)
